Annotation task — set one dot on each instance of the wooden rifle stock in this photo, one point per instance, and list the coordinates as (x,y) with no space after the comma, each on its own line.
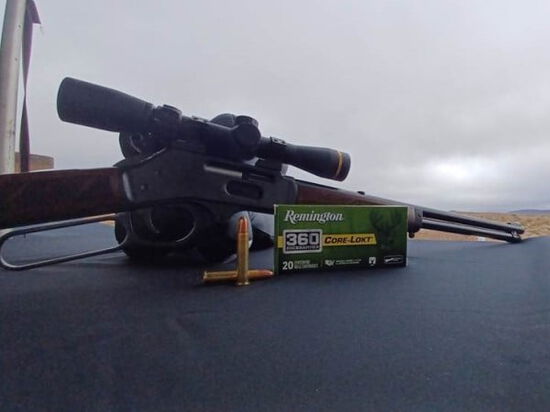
(38,197)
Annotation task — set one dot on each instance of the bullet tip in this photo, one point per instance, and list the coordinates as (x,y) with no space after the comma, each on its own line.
(243,225)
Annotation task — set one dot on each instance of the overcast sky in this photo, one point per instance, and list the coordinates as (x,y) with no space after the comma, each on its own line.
(440,103)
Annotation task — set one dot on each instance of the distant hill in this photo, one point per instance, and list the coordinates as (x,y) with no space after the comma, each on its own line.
(531,211)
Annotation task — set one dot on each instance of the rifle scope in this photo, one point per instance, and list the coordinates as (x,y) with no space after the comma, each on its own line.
(103,108)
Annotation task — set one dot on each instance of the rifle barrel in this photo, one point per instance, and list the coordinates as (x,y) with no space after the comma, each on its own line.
(502,234)
(311,193)
(469,220)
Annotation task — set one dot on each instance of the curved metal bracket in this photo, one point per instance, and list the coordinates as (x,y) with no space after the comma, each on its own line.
(9,233)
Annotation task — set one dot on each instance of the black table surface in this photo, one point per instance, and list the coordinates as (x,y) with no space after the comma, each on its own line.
(465,326)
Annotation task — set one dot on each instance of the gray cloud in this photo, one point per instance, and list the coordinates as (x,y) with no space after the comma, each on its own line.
(439,103)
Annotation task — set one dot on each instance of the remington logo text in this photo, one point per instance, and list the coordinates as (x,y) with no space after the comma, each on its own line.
(293,217)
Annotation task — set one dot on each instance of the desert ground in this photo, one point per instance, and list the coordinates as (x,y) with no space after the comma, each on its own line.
(535,225)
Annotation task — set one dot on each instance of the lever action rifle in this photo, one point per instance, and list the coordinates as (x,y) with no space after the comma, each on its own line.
(182,177)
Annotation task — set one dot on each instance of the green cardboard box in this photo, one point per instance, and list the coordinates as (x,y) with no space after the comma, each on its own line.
(313,237)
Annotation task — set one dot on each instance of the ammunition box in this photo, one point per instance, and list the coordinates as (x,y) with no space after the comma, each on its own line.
(313,237)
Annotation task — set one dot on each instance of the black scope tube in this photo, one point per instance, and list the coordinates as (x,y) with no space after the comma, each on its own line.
(108,109)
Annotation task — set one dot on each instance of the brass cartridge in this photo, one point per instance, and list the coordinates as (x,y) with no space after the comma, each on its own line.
(231,275)
(242,253)
(242,275)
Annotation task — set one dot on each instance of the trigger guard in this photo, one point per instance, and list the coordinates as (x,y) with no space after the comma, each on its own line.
(151,228)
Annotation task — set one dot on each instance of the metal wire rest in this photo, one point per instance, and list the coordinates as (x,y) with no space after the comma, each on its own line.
(9,233)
